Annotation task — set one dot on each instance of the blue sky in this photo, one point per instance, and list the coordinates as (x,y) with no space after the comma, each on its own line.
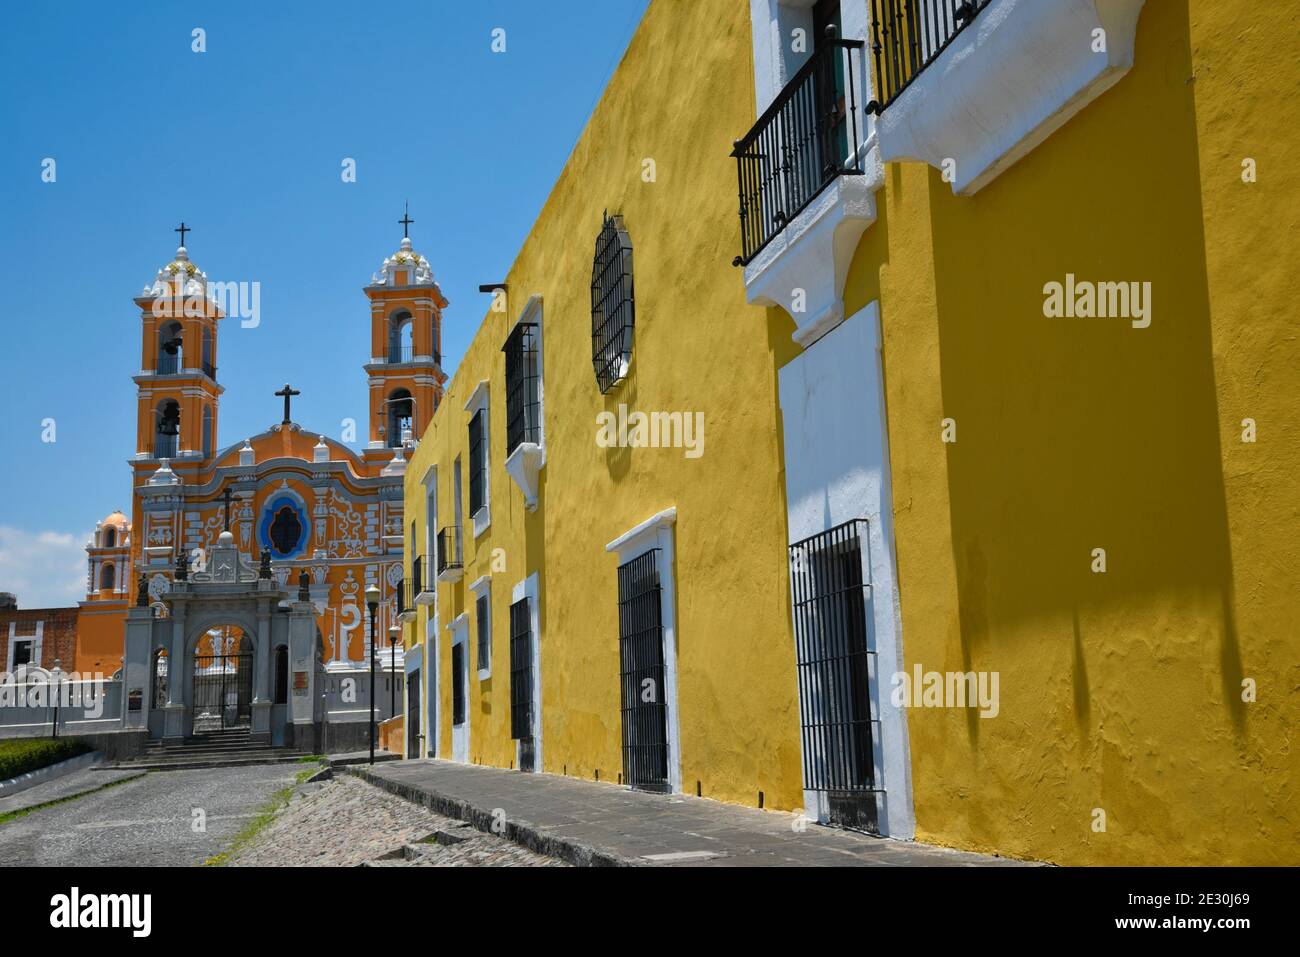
(245,143)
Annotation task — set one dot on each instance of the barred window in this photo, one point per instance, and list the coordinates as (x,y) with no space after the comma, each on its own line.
(483,609)
(523,387)
(612,306)
(521,671)
(477,462)
(458,683)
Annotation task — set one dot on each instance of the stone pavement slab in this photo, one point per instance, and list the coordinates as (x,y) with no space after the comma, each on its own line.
(585,822)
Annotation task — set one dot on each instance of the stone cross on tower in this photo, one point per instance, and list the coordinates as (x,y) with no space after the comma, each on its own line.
(287,393)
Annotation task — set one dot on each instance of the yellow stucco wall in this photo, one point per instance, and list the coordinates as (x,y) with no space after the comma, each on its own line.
(1120,691)
(682,93)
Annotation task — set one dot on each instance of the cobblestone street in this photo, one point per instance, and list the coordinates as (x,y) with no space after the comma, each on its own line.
(346,822)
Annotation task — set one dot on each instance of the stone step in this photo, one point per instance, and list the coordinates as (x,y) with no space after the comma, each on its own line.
(183,759)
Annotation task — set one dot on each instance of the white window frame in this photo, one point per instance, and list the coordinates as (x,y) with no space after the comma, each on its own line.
(657,532)
(38,645)
(478,402)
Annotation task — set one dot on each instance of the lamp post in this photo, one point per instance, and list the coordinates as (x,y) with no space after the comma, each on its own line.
(394,636)
(57,675)
(372,602)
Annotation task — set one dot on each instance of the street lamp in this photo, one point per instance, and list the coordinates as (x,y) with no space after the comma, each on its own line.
(394,636)
(57,675)
(372,602)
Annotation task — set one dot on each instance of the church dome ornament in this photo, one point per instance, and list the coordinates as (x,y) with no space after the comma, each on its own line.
(406,258)
(194,279)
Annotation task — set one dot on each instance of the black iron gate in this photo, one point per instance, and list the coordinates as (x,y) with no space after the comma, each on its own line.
(832,631)
(413,725)
(223,691)
(521,682)
(641,674)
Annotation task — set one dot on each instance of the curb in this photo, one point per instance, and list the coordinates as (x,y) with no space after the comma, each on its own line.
(51,772)
(520,832)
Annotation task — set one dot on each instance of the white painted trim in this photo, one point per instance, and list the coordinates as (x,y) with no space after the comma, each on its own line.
(432,686)
(1017,74)
(528,588)
(657,532)
(836,447)
(641,538)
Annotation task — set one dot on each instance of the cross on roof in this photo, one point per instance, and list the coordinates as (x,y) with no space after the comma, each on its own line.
(406,221)
(182,229)
(228,497)
(287,393)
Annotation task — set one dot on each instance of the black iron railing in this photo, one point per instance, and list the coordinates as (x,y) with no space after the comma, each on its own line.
(168,364)
(210,371)
(908,35)
(417,574)
(397,354)
(449,555)
(802,142)
(523,387)
(405,600)
(613,305)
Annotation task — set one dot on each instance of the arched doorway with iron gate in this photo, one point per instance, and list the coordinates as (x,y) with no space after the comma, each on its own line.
(221,680)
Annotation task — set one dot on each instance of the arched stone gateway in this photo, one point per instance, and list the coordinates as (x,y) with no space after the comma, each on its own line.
(228,624)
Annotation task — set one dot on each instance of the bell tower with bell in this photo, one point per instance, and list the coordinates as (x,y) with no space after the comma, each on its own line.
(405,369)
(178,396)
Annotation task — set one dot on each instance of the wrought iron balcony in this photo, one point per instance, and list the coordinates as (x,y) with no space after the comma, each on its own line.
(908,35)
(210,371)
(802,142)
(404,603)
(403,353)
(450,564)
(423,581)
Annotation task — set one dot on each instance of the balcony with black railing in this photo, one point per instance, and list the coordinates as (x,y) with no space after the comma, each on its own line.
(405,604)
(908,35)
(423,580)
(210,371)
(450,562)
(806,139)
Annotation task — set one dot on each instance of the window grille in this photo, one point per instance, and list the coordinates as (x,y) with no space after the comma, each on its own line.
(612,306)
(521,671)
(523,387)
(483,609)
(458,683)
(641,674)
(834,658)
(477,462)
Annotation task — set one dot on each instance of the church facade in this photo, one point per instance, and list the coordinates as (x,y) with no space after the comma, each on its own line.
(294,501)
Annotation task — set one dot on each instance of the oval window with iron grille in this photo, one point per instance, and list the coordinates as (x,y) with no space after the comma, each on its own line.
(612,306)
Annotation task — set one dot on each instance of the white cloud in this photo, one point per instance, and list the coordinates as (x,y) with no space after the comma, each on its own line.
(44,569)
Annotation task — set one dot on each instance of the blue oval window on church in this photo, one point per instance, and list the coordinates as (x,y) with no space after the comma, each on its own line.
(283,528)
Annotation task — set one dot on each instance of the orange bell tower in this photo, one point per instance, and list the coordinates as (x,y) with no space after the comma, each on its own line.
(405,369)
(178,397)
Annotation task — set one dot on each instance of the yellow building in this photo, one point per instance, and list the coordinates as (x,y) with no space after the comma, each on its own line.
(989,541)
